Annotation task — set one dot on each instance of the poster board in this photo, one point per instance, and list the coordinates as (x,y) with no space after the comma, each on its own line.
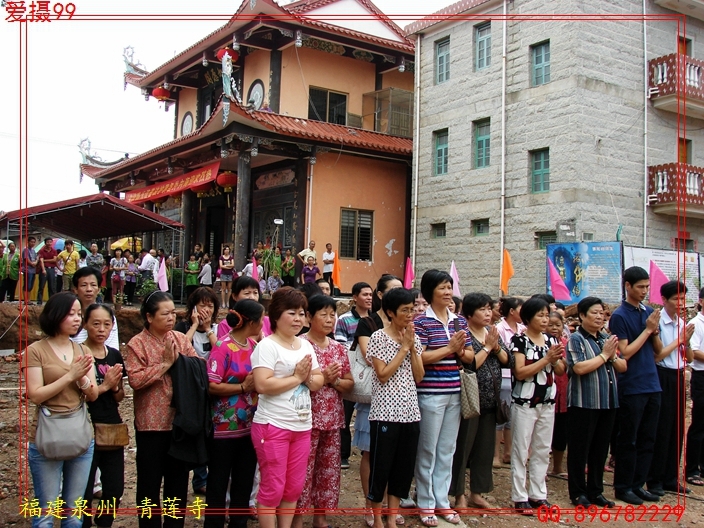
(668,261)
(588,269)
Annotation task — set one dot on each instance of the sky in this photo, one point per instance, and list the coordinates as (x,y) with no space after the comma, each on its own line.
(75,88)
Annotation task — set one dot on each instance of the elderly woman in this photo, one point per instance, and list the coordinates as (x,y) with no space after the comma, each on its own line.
(593,360)
(286,371)
(538,357)
(475,440)
(321,490)
(234,402)
(60,375)
(148,358)
(444,337)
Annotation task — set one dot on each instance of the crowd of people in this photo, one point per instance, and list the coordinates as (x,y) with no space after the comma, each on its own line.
(259,405)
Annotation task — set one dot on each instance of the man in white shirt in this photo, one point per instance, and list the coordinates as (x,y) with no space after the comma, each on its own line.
(308,252)
(328,264)
(86,282)
(670,363)
(695,434)
(249,270)
(147,264)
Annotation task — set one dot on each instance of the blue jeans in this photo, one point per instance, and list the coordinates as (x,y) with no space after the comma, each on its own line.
(439,424)
(29,277)
(47,279)
(59,478)
(200,477)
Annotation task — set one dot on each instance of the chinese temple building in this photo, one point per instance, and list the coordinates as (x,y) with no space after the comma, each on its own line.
(292,123)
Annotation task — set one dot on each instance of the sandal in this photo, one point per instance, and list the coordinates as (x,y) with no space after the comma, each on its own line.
(695,480)
(369,517)
(452,518)
(400,521)
(429,520)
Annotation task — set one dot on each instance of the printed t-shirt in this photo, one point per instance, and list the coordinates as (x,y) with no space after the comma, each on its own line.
(290,410)
(230,363)
(105,408)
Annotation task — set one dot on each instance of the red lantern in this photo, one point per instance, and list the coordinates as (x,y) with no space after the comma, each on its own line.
(161,93)
(227,180)
(221,53)
(202,189)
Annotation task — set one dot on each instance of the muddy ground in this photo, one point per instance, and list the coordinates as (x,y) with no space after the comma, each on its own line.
(15,483)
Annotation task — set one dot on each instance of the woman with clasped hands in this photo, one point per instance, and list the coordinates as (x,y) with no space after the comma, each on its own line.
(148,358)
(593,361)
(59,374)
(285,371)
(537,358)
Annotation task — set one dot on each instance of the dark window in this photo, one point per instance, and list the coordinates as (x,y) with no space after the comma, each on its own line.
(325,105)
(356,234)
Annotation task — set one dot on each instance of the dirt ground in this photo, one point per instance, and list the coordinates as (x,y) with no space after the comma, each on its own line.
(15,483)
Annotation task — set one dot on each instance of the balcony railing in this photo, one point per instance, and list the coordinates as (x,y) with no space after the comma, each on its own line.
(675,188)
(389,111)
(664,75)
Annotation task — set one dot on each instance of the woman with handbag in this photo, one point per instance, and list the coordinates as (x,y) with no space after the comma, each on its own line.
(233,460)
(60,377)
(111,434)
(475,439)
(395,353)
(443,342)
(358,357)
(321,490)
(148,358)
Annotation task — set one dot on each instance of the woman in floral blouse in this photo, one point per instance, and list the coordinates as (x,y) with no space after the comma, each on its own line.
(148,358)
(231,453)
(476,437)
(322,486)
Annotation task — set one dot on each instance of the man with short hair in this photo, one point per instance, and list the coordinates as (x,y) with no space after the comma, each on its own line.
(86,282)
(328,265)
(670,363)
(198,252)
(29,267)
(70,258)
(637,328)
(147,264)
(95,259)
(47,266)
(308,252)
(344,333)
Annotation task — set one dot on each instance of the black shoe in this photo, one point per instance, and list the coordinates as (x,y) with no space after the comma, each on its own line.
(645,495)
(582,500)
(538,503)
(629,497)
(600,500)
(657,491)
(524,508)
(677,489)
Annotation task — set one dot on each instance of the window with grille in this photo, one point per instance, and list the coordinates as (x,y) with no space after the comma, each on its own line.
(483,46)
(442,152)
(356,234)
(442,61)
(541,63)
(482,140)
(438,230)
(480,227)
(324,105)
(540,170)
(543,238)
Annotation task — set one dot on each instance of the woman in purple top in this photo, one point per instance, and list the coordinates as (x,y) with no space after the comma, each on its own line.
(310,272)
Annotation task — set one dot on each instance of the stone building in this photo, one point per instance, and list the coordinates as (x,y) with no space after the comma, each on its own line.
(575,136)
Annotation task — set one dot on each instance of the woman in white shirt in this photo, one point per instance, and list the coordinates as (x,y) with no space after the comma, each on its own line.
(285,370)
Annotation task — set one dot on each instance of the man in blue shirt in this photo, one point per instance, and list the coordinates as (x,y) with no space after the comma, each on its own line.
(675,355)
(637,329)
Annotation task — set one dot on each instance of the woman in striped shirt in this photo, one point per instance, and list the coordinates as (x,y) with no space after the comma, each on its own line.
(593,360)
(444,337)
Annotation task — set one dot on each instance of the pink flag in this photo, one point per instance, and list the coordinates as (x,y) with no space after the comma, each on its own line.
(161,279)
(408,274)
(455,280)
(557,285)
(255,271)
(657,279)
